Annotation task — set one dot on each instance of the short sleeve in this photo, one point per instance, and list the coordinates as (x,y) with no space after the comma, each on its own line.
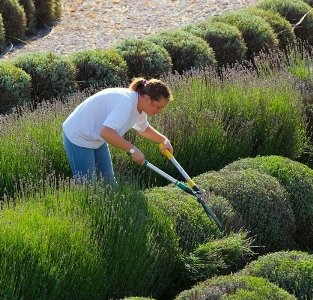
(141,123)
(119,117)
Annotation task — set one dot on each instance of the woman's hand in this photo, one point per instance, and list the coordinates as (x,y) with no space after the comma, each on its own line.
(167,145)
(138,157)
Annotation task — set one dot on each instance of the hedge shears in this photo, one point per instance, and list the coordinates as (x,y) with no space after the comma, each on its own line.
(191,188)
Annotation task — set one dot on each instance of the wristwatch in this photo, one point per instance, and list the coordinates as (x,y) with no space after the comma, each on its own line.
(132,151)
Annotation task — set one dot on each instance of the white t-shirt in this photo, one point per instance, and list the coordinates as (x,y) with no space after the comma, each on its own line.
(115,108)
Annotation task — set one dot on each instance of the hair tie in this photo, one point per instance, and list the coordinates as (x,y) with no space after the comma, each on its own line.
(144,82)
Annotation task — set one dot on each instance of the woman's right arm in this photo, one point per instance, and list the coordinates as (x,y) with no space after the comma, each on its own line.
(113,138)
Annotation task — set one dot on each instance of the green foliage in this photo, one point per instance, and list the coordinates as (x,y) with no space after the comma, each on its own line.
(57,9)
(190,222)
(257,33)
(293,11)
(99,67)
(52,75)
(137,298)
(2,34)
(291,270)
(225,39)
(47,11)
(114,244)
(235,288)
(219,257)
(30,12)
(15,87)
(310,2)
(282,28)
(31,146)
(252,194)
(186,50)
(144,58)
(297,179)
(45,256)
(14,19)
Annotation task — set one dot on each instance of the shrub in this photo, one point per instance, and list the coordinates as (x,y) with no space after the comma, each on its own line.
(99,67)
(186,50)
(297,179)
(57,9)
(130,246)
(310,2)
(293,11)
(2,33)
(257,33)
(30,13)
(282,28)
(252,194)
(144,58)
(190,222)
(235,288)
(137,298)
(291,270)
(46,256)
(15,87)
(52,75)
(14,19)
(225,39)
(219,257)
(47,11)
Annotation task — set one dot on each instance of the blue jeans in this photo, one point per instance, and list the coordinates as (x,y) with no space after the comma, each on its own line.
(88,162)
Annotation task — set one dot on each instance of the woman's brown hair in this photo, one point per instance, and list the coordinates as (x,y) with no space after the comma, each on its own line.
(154,88)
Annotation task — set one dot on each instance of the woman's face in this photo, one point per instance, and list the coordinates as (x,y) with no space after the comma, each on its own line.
(153,107)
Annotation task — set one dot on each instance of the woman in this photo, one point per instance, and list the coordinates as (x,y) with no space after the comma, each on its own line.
(105,117)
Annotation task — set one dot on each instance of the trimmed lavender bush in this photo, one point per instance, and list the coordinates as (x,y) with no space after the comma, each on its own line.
(293,11)
(52,75)
(291,270)
(101,68)
(15,87)
(226,41)
(186,50)
(280,25)
(257,33)
(252,194)
(144,58)
(297,179)
(235,288)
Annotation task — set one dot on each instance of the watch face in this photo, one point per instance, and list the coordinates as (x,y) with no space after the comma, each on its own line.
(132,151)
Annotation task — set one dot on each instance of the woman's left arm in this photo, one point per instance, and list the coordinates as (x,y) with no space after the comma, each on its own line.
(154,135)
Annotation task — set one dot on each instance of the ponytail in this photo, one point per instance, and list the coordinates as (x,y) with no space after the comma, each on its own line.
(154,88)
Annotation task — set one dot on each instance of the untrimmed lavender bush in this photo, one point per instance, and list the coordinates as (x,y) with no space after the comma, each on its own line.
(86,241)
(218,257)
